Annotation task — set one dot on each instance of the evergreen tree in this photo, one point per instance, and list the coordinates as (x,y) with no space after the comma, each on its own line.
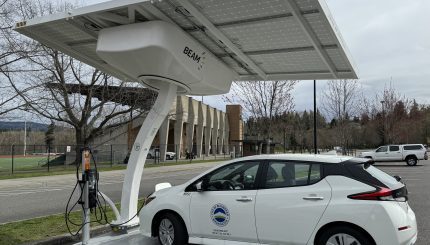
(49,135)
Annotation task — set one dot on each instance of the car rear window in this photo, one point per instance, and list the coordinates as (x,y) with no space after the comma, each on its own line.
(394,148)
(385,178)
(288,174)
(412,147)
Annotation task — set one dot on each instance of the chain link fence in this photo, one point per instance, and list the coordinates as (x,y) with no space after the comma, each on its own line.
(41,158)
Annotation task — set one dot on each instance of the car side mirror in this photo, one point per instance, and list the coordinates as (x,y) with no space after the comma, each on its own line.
(398,178)
(202,185)
(199,185)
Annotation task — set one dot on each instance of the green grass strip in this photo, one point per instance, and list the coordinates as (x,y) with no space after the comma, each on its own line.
(45,227)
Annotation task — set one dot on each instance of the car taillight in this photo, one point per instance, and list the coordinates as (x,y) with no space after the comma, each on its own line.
(382,194)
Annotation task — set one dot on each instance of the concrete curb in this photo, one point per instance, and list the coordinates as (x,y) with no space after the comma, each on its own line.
(67,239)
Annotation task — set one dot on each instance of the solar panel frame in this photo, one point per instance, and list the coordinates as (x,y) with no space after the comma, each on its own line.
(258,39)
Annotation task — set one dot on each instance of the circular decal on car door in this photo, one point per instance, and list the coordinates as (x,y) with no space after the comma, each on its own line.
(220,215)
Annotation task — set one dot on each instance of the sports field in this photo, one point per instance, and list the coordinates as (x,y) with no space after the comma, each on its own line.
(23,163)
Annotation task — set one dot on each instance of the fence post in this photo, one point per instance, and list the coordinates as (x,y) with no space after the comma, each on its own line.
(111,155)
(49,155)
(13,155)
(177,153)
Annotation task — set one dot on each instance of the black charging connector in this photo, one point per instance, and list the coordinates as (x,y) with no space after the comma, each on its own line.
(92,188)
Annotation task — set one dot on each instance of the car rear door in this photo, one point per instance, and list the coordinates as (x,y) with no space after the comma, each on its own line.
(221,212)
(394,154)
(290,202)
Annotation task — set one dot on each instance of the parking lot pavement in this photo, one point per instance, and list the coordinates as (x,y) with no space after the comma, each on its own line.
(417,180)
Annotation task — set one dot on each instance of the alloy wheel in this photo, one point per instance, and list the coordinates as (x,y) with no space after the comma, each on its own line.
(342,239)
(166,232)
(411,161)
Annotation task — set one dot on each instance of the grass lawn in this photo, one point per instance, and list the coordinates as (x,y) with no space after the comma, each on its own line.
(22,162)
(60,170)
(43,228)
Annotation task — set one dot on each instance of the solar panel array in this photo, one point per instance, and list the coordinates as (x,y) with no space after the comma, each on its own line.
(259,39)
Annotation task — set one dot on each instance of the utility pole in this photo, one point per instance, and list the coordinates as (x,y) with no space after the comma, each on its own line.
(315,118)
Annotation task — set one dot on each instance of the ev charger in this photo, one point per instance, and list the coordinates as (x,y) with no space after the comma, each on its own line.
(157,51)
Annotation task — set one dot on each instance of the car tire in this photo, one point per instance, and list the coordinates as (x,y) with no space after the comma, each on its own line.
(411,161)
(171,230)
(344,232)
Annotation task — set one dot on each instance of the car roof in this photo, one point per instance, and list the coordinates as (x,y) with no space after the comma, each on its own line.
(298,157)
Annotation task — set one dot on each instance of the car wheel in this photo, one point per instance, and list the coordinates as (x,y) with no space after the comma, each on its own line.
(344,236)
(171,231)
(411,161)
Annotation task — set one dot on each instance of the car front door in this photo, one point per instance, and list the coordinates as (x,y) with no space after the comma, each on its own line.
(224,208)
(381,153)
(290,202)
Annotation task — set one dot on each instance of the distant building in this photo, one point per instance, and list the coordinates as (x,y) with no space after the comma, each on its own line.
(191,126)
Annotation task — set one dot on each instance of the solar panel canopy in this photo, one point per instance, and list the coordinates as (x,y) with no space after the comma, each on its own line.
(256,39)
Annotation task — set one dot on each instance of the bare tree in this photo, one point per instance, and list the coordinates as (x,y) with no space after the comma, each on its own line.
(262,100)
(9,100)
(341,100)
(390,109)
(62,89)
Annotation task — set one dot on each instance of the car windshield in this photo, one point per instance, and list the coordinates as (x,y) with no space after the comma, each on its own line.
(385,178)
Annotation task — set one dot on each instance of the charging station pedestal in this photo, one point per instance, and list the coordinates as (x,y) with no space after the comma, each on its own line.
(86,159)
(139,152)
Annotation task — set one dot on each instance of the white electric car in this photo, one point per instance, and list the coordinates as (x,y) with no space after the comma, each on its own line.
(283,199)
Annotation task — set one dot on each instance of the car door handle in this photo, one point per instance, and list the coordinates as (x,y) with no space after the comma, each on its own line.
(244,199)
(313,198)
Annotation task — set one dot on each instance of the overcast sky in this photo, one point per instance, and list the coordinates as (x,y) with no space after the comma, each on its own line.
(388,39)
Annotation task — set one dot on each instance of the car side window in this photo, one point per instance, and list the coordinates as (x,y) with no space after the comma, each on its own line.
(412,147)
(237,176)
(382,149)
(394,148)
(289,174)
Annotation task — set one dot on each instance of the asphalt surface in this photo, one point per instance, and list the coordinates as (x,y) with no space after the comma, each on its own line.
(28,198)
(35,197)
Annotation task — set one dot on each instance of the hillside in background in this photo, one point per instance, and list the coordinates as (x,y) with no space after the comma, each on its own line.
(16,126)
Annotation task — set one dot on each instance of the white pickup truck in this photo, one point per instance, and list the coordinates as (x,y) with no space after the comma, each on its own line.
(410,153)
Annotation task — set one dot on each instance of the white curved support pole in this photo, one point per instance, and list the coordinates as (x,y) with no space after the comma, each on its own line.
(136,162)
